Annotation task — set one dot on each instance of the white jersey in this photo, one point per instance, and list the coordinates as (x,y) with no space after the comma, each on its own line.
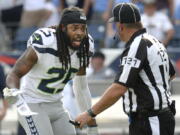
(157,24)
(46,79)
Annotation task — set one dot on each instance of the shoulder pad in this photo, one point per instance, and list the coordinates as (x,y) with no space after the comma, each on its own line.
(44,36)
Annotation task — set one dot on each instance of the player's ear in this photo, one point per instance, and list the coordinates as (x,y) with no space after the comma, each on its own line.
(62,26)
(121,27)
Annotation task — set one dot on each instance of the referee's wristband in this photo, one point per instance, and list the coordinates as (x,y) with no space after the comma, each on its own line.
(90,113)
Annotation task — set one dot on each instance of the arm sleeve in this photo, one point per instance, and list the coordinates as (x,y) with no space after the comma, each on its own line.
(82,93)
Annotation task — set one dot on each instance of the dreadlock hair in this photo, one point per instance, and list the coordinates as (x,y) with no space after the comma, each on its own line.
(63,42)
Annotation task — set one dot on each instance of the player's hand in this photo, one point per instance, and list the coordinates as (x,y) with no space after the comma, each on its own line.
(10,95)
(83,119)
(92,128)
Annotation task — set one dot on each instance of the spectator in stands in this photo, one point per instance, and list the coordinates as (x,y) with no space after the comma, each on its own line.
(97,26)
(157,23)
(10,14)
(139,4)
(166,6)
(102,9)
(4,38)
(54,15)
(3,103)
(177,12)
(97,69)
(34,13)
(86,5)
(178,67)
(10,11)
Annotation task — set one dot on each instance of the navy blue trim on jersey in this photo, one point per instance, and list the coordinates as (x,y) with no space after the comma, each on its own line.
(47,50)
(31,125)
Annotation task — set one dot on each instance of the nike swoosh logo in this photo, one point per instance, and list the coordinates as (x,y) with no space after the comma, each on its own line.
(37,38)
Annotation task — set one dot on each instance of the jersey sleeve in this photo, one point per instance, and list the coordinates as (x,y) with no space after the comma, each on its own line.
(131,63)
(91,45)
(42,38)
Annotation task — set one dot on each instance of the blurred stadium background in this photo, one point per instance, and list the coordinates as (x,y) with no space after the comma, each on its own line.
(16,26)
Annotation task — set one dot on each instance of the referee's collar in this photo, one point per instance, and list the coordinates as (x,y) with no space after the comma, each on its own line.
(137,33)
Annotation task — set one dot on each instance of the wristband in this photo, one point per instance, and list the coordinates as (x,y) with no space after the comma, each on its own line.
(90,113)
(91,126)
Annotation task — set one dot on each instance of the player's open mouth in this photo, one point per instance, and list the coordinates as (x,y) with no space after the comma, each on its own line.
(76,43)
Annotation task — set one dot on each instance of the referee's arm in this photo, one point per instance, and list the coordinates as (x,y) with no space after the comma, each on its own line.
(172,72)
(111,96)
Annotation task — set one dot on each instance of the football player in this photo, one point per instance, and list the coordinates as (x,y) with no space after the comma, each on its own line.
(53,57)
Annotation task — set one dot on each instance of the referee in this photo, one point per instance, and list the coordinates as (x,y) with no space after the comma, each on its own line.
(143,79)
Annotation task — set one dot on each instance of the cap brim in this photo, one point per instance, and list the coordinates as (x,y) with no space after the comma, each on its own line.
(111,20)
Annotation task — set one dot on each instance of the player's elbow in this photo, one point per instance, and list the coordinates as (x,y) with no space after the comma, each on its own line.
(11,79)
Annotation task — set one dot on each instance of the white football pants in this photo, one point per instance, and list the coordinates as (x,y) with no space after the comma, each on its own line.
(52,119)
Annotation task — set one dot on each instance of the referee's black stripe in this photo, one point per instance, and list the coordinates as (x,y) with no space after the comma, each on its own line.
(161,68)
(146,94)
(124,104)
(130,100)
(150,76)
(140,54)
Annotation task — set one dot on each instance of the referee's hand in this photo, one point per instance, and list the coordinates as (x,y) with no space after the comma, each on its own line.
(83,119)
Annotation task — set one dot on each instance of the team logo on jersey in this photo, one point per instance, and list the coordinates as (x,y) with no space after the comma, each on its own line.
(37,39)
(133,62)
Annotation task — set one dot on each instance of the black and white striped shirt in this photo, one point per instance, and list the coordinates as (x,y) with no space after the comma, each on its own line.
(146,70)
